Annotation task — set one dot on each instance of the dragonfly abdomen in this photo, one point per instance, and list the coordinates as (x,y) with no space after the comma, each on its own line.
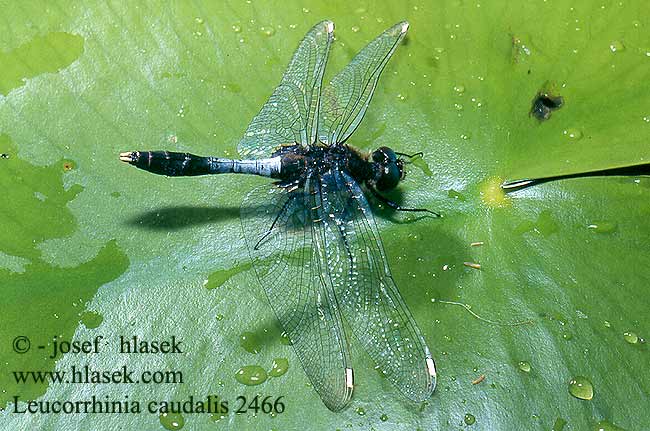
(174,164)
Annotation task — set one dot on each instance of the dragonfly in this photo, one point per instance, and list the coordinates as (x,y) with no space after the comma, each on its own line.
(310,233)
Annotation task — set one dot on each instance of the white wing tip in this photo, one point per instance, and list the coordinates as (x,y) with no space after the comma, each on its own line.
(431,367)
(405,26)
(349,378)
(329,26)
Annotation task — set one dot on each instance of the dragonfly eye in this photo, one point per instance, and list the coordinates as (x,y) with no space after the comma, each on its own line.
(390,168)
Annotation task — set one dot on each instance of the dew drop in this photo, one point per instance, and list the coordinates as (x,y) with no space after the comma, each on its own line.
(524,366)
(456,195)
(236,28)
(458,106)
(617,46)
(198,20)
(219,317)
(401,97)
(284,339)
(607,324)
(469,419)
(267,31)
(305,10)
(460,89)
(251,375)
(572,134)
(360,411)
(216,417)
(280,367)
(383,417)
(646,118)
(355,28)
(250,342)
(606,426)
(602,226)
(631,337)
(172,421)
(465,136)
(91,319)
(581,388)
(558,425)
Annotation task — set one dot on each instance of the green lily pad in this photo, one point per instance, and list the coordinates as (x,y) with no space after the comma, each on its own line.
(83,233)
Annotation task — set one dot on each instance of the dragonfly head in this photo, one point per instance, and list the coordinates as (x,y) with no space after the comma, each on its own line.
(390,168)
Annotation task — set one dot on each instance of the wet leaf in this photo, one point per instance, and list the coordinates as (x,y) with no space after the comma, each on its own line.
(80,232)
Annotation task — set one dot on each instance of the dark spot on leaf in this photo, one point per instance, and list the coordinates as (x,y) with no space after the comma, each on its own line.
(544,103)
(4,156)
(68,166)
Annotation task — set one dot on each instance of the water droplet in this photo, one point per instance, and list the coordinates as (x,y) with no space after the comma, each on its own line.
(469,419)
(646,118)
(465,136)
(236,28)
(524,366)
(631,337)
(172,421)
(216,417)
(360,411)
(572,134)
(355,28)
(383,417)
(617,46)
(456,195)
(91,319)
(284,339)
(198,20)
(401,97)
(602,226)
(606,426)
(567,336)
(460,89)
(280,367)
(251,375)
(607,324)
(219,317)
(458,106)
(558,425)
(581,388)
(305,10)
(267,30)
(250,342)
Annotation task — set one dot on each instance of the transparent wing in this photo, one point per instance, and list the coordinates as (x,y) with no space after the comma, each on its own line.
(346,98)
(368,296)
(286,249)
(291,113)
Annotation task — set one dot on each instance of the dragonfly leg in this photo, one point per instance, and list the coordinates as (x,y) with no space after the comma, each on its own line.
(410,156)
(398,207)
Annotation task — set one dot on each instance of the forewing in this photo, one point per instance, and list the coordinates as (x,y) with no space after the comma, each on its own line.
(368,296)
(286,247)
(346,98)
(291,113)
